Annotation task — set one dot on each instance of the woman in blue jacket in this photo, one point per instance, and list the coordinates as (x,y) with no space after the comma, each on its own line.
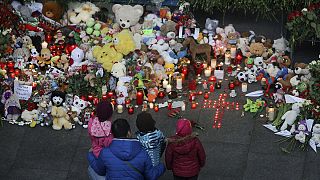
(125,158)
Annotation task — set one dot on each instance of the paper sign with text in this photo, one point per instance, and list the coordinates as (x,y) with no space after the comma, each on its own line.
(22,91)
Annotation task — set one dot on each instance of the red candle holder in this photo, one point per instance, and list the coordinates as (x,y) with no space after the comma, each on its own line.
(219,84)
(169,104)
(139,99)
(192,96)
(104,97)
(10,65)
(156,108)
(184,71)
(231,85)
(83,98)
(17,72)
(130,109)
(212,79)
(211,87)
(161,93)
(95,101)
(206,95)
(127,102)
(2,65)
(90,97)
(110,94)
(193,105)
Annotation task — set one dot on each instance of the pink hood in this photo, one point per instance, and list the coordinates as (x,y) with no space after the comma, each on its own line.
(99,129)
(183,127)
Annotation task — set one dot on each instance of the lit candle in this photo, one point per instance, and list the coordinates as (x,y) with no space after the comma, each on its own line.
(164,83)
(219,84)
(231,85)
(127,101)
(161,93)
(192,96)
(206,95)
(205,65)
(110,94)
(130,109)
(139,99)
(156,108)
(205,85)
(271,113)
(233,52)
(179,82)
(170,76)
(44,45)
(213,63)
(169,104)
(104,97)
(151,105)
(207,72)
(168,88)
(211,87)
(212,79)
(244,87)
(120,109)
(227,57)
(193,105)
(183,107)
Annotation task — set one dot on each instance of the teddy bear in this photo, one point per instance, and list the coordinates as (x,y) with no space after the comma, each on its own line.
(232,39)
(78,106)
(127,16)
(169,67)
(29,117)
(123,42)
(45,58)
(77,55)
(229,29)
(272,70)
(167,27)
(280,45)
(152,93)
(106,56)
(52,10)
(12,108)
(44,108)
(34,56)
(64,62)
(302,70)
(27,42)
(316,134)
(59,112)
(257,49)
(210,26)
(251,76)
(285,82)
(243,45)
(81,12)
(121,92)
(301,132)
(156,21)
(119,69)
(290,116)
(159,70)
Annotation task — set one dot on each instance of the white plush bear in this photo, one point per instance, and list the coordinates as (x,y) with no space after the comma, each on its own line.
(78,106)
(290,116)
(81,13)
(316,134)
(29,116)
(155,19)
(119,69)
(243,45)
(251,77)
(127,16)
(77,55)
(281,45)
(122,92)
(229,29)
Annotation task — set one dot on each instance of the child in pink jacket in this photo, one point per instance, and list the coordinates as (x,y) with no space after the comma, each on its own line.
(99,127)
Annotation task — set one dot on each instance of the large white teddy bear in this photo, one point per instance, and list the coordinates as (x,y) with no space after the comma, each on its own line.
(127,16)
(81,12)
(119,69)
(290,116)
(121,91)
(78,106)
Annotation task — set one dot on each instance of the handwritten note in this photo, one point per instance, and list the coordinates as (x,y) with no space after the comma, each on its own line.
(22,91)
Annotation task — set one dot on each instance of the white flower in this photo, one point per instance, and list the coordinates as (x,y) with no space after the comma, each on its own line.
(304,10)
(313,63)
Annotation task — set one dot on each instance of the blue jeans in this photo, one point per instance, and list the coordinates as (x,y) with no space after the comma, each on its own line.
(93,175)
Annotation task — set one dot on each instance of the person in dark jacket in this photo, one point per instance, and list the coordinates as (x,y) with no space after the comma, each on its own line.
(184,155)
(151,138)
(125,158)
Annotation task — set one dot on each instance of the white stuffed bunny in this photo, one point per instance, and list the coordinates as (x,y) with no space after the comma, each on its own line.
(290,116)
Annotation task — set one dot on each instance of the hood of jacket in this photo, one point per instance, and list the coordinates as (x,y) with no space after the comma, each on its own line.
(183,127)
(183,144)
(150,140)
(125,149)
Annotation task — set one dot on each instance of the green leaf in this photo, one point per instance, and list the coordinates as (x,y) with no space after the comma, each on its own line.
(310,16)
(314,25)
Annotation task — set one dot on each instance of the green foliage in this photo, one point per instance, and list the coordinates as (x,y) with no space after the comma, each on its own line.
(263,8)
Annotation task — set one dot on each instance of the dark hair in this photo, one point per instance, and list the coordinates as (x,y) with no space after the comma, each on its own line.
(104,110)
(120,128)
(145,123)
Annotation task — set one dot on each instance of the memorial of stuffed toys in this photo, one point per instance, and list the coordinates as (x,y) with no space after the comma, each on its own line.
(57,65)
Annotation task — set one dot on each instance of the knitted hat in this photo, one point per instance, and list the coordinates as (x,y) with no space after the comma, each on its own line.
(145,123)
(183,127)
(104,111)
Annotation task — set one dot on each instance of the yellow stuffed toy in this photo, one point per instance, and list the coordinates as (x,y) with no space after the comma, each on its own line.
(169,67)
(111,53)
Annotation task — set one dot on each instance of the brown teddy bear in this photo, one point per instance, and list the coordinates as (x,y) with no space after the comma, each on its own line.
(169,26)
(52,10)
(257,49)
(286,85)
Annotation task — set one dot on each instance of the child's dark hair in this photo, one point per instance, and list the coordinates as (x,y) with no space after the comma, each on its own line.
(145,123)
(104,110)
(120,128)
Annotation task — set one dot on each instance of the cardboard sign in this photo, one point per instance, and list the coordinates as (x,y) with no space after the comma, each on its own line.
(22,91)
(219,74)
